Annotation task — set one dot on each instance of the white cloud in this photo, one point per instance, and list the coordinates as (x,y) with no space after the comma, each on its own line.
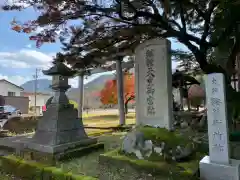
(29,46)
(74,82)
(30,59)
(25,58)
(18,80)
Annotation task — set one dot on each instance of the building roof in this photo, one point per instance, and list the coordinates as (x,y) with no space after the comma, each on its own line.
(4,80)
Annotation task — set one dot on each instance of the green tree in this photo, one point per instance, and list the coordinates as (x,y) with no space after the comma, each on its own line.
(105,29)
(199,25)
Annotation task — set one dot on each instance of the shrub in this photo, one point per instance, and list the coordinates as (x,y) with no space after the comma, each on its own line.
(20,125)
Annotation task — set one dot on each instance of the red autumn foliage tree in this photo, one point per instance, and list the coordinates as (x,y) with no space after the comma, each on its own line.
(108,94)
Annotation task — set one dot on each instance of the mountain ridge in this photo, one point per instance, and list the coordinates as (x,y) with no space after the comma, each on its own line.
(90,89)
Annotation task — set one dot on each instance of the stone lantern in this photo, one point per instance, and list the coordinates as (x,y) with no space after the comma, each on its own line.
(60,74)
(59,130)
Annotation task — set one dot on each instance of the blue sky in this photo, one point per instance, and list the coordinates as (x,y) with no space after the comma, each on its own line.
(19,56)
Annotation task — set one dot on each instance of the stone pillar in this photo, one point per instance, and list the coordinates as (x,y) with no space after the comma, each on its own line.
(81,92)
(218,164)
(120,91)
(137,110)
(153,79)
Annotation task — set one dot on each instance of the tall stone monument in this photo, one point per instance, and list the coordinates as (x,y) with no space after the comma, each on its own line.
(153,80)
(218,165)
(59,129)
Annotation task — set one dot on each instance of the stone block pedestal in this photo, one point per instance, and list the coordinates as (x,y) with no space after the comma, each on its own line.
(213,171)
(25,148)
(52,154)
(59,133)
(58,148)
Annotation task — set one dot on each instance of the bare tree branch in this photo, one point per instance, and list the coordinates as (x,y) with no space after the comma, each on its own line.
(183,21)
(207,18)
(195,6)
(232,58)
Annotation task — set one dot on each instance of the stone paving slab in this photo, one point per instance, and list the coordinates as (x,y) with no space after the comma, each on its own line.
(11,141)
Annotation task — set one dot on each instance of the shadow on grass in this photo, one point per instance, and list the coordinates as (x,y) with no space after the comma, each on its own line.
(88,165)
(108,117)
(113,128)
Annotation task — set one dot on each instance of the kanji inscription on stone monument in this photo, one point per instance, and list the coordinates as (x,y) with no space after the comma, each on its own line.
(153,83)
(217,119)
(150,91)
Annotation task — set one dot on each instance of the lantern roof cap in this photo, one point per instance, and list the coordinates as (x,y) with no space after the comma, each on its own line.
(59,68)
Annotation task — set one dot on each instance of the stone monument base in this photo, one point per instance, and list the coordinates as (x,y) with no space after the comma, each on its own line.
(56,149)
(213,171)
(51,154)
(47,154)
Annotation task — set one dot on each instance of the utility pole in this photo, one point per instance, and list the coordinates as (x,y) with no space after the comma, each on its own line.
(35,90)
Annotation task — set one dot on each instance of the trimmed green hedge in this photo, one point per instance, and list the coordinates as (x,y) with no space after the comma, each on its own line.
(35,171)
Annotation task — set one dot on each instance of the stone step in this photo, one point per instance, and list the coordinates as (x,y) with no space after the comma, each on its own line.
(80,151)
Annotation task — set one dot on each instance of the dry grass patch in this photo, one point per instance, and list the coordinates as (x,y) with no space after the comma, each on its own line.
(27,125)
(109,120)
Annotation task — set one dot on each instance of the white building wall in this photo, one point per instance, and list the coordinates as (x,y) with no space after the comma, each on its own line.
(6,87)
(40,100)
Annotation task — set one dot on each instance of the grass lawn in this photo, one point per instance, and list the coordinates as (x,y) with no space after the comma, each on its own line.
(102,120)
(86,165)
(89,164)
(107,120)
